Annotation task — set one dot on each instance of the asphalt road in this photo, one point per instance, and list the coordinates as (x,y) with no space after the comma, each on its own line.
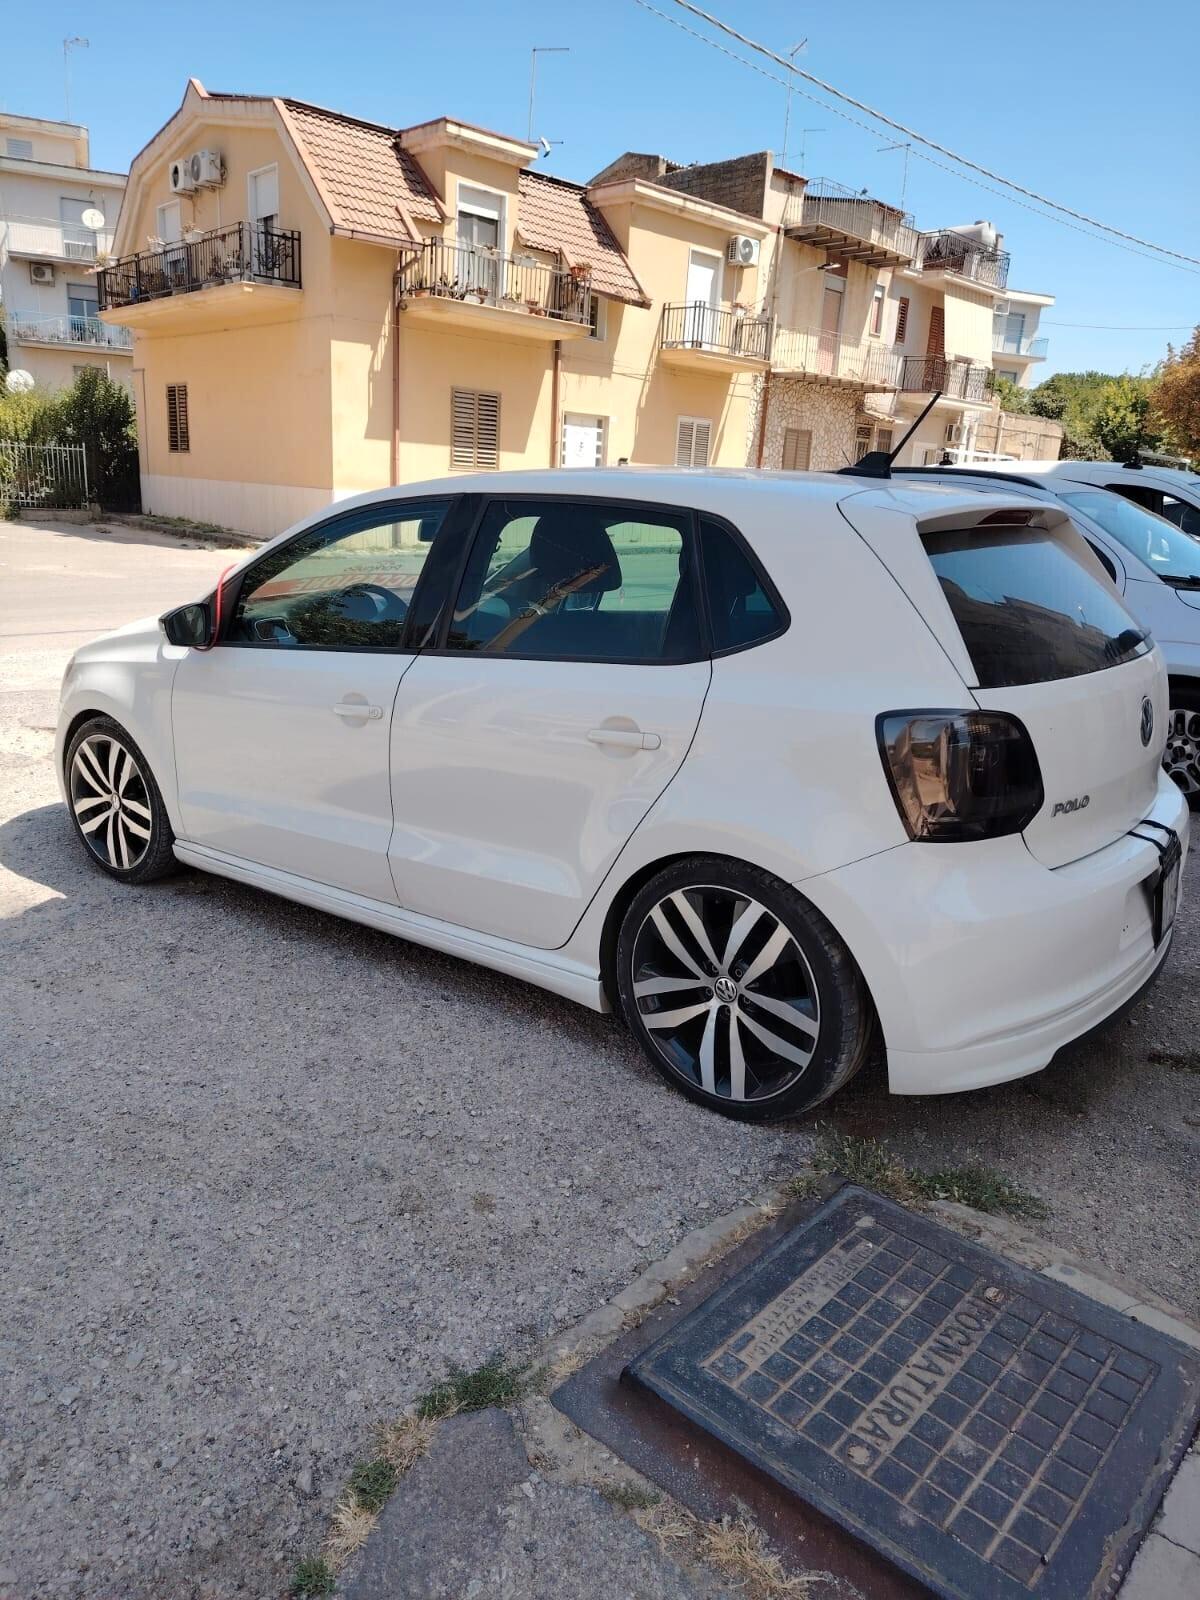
(264,1173)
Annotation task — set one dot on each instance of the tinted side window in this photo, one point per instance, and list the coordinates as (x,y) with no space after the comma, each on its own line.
(1103,557)
(1182,514)
(579,580)
(345,585)
(740,610)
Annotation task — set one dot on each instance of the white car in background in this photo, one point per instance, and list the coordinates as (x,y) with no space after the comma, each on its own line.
(1167,491)
(771,764)
(1155,566)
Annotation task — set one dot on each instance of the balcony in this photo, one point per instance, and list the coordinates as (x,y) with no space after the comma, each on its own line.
(1027,349)
(964,258)
(850,226)
(826,360)
(44,239)
(706,339)
(954,378)
(75,333)
(243,270)
(512,296)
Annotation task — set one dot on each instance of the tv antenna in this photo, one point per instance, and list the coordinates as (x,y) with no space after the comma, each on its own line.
(904,180)
(541,50)
(74,43)
(787,115)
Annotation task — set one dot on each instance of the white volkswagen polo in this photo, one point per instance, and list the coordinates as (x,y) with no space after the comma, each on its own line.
(772,764)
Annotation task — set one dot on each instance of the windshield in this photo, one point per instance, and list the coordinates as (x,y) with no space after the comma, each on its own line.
(1171,554)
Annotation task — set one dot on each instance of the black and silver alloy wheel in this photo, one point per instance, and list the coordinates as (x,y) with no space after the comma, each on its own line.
(1181,758)
(740,991)
(116,805)
(108,796)
(726,992)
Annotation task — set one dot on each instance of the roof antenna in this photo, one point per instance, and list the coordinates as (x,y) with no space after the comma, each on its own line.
(878,463)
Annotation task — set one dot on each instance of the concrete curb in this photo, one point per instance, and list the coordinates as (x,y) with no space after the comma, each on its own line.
(222,538)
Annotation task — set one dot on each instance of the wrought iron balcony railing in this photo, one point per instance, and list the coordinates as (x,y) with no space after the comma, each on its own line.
(243,252)
(957,380)
(28,327)
(447,270)
(823,355)
(967,258)
(699,326)
(1008,345)
(46,236)
(852,226)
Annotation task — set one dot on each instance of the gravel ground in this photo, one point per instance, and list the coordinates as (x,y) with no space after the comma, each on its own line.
(265,1172)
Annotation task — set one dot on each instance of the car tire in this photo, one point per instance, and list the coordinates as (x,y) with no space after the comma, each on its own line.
(115,804)
(1181,758)
(768,1013)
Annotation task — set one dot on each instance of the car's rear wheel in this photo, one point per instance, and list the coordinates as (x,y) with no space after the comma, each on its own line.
(739,991)
(116,805)
(1181,757)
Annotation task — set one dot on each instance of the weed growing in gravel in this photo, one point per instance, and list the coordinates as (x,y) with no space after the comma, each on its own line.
(495,1383)
(371,1482)
(312,1577)
(630,1496)
(353,1525)
(874,1165)
(403,1443)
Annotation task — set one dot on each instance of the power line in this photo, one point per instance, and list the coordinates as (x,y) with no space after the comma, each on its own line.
(857,122)
(1122,327)
(932,144)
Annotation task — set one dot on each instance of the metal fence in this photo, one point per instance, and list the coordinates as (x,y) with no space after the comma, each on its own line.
(700,326)
(447,270)
(48,476)
(243,252)
(821,354)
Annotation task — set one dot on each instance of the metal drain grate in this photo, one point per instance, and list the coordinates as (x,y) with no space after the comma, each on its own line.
(988,1430)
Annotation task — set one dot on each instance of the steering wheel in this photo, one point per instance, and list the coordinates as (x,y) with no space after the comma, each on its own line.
(385,604)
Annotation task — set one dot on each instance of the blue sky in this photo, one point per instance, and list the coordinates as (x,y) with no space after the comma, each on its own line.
(1092,104)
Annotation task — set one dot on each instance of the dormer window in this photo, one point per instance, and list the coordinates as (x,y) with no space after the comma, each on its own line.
(480,217)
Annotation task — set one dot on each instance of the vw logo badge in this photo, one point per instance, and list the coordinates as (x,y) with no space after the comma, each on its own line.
(726,990)
(1147,719)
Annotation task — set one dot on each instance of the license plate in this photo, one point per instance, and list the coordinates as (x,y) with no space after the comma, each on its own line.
(1166,891)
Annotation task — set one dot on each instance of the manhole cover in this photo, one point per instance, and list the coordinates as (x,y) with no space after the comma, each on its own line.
(988,1430)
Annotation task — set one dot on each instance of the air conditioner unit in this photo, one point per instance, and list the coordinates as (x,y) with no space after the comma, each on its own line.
(181,176)
(207,169)
(954,433)
(1001,308)
(742,251)
(41,272)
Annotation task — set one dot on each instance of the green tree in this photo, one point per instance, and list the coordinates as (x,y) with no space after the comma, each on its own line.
(1121,421)
(99,414)
(1012,398)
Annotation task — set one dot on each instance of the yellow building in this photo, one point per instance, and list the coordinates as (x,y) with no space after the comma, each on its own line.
(322,305)
(57,215)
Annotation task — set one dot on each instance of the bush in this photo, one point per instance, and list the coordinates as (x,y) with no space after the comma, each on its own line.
(94,412)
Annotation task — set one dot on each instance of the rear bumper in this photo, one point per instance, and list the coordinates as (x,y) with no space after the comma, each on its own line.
(983,963)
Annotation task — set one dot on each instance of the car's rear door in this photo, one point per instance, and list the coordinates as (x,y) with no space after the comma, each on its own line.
(281,729)
(560,702)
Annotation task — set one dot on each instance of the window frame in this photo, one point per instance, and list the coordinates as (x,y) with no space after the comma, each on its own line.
(687,514)
(903,308)
(457,525)
(878,303)
(708,423)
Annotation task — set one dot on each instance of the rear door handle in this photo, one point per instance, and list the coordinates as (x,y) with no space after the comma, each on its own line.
(357,708)
(625,738)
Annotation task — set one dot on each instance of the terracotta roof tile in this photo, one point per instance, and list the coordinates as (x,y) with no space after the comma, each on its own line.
(556,215)
(369,182)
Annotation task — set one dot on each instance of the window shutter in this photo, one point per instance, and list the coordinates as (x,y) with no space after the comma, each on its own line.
(684,435)
(797,449)
(693,436)
(177,417)
(474,430)
(700,440)
(937,332)
(901,319)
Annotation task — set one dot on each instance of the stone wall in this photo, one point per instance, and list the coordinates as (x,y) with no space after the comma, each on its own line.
(1010,433)
(740,184)
(829,414)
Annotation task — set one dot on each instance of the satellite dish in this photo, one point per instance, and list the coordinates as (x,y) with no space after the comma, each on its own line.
(92,218)
(19,381)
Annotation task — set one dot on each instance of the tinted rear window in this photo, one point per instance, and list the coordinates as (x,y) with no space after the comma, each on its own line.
(1027,609)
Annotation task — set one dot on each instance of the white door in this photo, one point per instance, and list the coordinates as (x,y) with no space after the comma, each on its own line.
(263,198)
(526,752)
(582,440)
(281,730)
(169,222)
(703,296)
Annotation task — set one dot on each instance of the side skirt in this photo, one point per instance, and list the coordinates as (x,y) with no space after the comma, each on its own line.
(571,979)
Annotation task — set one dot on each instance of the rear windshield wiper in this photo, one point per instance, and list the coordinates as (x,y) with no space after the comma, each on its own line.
(1182,580)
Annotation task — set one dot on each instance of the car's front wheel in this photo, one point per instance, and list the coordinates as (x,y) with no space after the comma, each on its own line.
(739,990)
(115,803)
(1181,757)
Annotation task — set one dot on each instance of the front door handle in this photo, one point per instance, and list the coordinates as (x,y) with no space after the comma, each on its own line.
(625,738)
(357,708)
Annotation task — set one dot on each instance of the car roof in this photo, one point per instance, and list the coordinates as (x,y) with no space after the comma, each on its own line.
(1098,472)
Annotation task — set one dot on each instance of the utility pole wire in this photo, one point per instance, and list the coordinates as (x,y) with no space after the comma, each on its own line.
(932,144)
(857,122)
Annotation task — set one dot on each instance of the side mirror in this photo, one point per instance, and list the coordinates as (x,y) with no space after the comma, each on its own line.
(188,625)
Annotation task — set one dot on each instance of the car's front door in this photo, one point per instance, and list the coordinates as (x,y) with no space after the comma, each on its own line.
(281,729)
(564,695)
